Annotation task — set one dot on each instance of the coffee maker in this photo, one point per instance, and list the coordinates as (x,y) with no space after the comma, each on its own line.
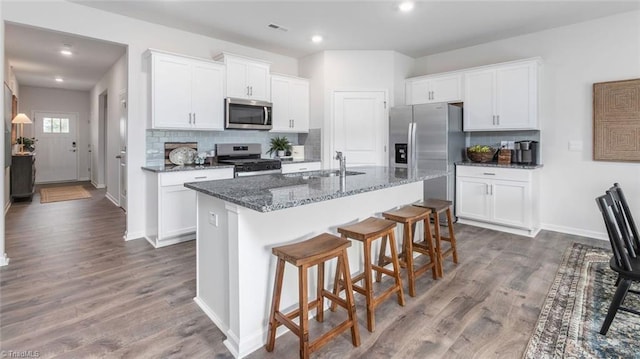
(526,152)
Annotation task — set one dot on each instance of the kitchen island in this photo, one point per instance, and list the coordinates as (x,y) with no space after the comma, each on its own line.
(240,220)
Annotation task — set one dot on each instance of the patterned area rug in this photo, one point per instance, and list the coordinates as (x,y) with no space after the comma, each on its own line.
(575,308)
(68,193)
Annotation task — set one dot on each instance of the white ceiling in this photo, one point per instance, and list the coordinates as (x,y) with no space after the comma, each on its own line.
(35,57)
(433,26)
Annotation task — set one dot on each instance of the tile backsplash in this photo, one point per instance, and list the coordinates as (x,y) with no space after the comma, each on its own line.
(206,140)
(494,138)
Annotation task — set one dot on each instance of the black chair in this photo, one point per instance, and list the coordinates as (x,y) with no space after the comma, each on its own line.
(625,261)
(629,231)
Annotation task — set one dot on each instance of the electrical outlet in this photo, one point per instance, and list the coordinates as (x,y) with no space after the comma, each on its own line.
(213,219)
(575,146)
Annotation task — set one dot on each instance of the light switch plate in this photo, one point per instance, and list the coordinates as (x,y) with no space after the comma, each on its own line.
(213,218)
(575,146)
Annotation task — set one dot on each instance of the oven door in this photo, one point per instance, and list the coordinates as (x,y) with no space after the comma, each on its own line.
(247,114)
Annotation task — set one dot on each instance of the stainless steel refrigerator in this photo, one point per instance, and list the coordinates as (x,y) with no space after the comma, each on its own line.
(428,136)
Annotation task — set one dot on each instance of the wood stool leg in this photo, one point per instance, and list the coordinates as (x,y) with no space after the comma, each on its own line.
(432,253)
(336,285)
(275,305)
(408,249)
(319,296)
(368,286)
(304,312)
(452,236)
(436,227)
(351,305)
(381,258)
(396,267)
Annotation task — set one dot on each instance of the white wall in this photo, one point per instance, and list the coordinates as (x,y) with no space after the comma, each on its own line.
(575,57)
(10,79)
(41,99)
(3,179)
(138,36)
(113,83)
(350,71)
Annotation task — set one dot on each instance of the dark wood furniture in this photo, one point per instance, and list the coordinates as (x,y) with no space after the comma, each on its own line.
(23,176)
(304,255)
(437,207)
(625,260)
(409,216)
(366,232)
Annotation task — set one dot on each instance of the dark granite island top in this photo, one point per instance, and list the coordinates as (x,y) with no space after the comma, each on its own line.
(269,193)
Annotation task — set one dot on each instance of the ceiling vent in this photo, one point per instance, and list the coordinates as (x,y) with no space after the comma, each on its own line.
(277,27)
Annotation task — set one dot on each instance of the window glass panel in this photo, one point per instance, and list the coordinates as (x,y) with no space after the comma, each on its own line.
(46,125)
(56,125)
(64,125)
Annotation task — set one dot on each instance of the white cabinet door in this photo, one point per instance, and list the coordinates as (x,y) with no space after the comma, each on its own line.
(177,211)
(516,97)
(446,88)
(171,92)
(299,105)
(419,92)
(280,99)
(258,81)
(472,198)
(237,86)
(511,203)
(479,100)
(207,96)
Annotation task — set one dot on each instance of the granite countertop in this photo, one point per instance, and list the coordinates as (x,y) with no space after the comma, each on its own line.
(268,193)
(495,164)
(176,168)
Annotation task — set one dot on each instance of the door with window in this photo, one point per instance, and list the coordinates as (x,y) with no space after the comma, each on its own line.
(57,147)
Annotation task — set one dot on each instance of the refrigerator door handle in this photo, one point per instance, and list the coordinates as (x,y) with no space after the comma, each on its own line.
(414,150)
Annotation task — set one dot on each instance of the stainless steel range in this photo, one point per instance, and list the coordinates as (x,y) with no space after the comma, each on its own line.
(246,159)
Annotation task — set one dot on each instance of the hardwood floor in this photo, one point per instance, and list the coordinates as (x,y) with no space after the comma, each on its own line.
(75,289)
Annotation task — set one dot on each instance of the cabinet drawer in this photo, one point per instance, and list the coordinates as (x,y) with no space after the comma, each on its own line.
(300,167)
(177,178)
(511,174)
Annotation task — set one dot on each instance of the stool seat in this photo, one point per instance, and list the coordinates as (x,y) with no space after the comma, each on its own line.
(407,214)
(436,205)
(369,228)
(312,249)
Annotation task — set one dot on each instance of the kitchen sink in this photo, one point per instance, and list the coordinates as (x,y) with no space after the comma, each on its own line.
(326,173)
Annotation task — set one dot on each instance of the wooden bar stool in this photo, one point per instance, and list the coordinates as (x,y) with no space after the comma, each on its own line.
(304,255)
(409,216)
(437,206)
(366,232)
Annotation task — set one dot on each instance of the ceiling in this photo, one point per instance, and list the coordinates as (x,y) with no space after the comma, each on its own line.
(433,26)
(34,55)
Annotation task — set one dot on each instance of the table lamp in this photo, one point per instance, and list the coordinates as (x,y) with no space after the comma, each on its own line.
(21,118)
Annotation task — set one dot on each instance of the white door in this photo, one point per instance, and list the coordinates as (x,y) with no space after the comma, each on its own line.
(258,81)
(281,120)
(299,105)
(472,198)
(207,96)
(171,92)
(511,203)
(123,150)
(57,147)
(237,79)
(446,89)
(360,126)
(419,92)
(514,100)
(479,100)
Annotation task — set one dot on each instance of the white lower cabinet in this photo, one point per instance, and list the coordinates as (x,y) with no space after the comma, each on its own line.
(171,207)
(301,167)
(498,198)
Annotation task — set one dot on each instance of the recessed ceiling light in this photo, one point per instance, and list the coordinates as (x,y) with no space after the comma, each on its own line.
(66,50)
(406,6)
(316,39)
(59,79)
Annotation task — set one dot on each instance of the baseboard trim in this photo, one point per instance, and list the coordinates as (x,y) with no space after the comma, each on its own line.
(98,185)
(83,179)
(4,260)
(522,232)
(6,207)
(209,312)
(135,235)
(112,199)
(575,231)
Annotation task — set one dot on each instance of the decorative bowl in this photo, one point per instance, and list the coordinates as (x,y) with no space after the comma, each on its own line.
(182,156)
(481,156)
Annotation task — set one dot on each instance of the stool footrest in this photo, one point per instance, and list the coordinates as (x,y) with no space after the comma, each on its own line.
(324,338)
(341,302)
(283,319)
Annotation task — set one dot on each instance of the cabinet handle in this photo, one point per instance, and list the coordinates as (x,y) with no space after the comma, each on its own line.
(251,90)
(491,189)
(200,177)
(489,174)
(293,123)
(189,117)
(194,118)
(486,189)
(498,120)
(493,121)
(303,169)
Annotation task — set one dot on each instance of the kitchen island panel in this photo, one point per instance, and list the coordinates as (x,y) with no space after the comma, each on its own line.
(235,290)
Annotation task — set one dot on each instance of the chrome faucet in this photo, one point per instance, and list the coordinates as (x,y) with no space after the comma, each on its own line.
(343,163)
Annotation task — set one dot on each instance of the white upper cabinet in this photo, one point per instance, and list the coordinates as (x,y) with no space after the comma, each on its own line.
(246,78)
(437,88)
(186,93)
(290,98)
(502,97)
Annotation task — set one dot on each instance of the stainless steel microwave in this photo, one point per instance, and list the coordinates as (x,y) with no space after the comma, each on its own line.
(247,114)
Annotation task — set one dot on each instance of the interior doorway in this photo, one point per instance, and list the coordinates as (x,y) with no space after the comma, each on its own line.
(122,157)
(57,156)
(360,127)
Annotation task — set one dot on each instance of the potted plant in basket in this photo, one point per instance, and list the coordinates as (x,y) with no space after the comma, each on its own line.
(279,145)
